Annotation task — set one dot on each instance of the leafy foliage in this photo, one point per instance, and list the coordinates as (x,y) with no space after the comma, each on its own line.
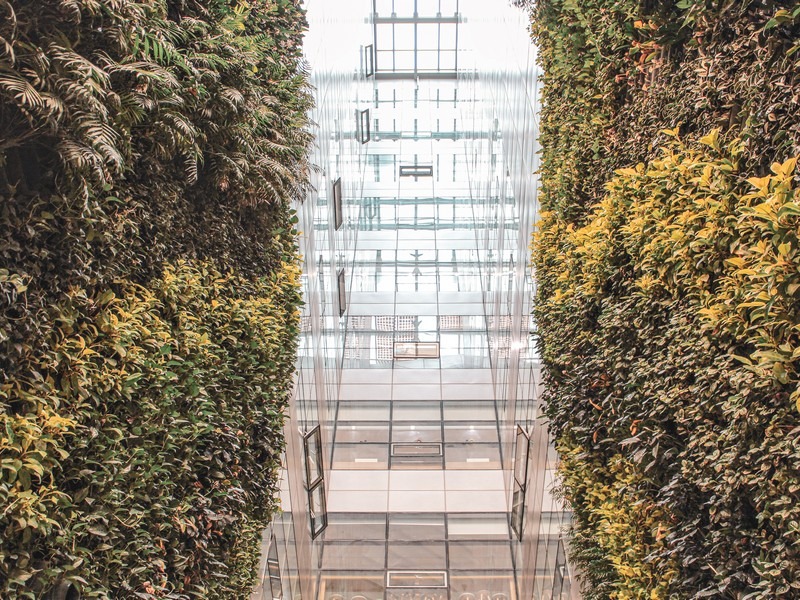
(150,150)
(667,300)
(148,436)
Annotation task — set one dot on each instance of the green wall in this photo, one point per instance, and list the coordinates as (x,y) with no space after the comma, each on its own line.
(668,265)
(149,297)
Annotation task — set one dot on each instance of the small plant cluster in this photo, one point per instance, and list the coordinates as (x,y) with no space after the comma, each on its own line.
(668,301)
(149,290)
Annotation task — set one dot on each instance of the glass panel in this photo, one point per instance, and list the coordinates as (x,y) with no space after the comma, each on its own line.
(403,36)
(518,512)
(416,433)
(416,527)
(470,432)
(342,290)
(428,36)
(428,60)
(416,411)
(472,456)
(447,60)
(313,447)
(364,126)
(356,586)
(384,60)
(384,36)
(338,215)
(521,457)
(474,555)
(354,555)
(317,511)
(404,8)
(477,526)
(416,349)
(447,35)
(383,7)
(421,594)
(404,60)
(361,456)
(427,8)
(364,411)
(416,579)
(417,556)
(416,450)
(482,586)
(355,527)
(274,570)
(470,411)
(448,7)
(369,61)
(362,432)
(560,571)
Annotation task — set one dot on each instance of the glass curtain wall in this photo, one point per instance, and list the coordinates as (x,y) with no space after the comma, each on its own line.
(500,67)
(417,380)
(327,220)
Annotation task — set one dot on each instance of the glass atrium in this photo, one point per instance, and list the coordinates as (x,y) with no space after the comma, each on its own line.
(417,465)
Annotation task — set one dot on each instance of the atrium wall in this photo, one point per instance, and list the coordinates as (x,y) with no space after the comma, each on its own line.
(440,260)
(501,68)
(337,32)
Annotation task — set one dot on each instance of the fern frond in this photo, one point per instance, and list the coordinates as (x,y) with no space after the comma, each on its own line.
(22,92)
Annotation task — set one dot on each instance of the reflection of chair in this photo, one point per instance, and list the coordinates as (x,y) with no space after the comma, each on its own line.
(484,595)
(466,596)
(358,597)
(499,596)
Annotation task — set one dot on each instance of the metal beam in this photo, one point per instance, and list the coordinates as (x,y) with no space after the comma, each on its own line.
(389,20)
(419,75)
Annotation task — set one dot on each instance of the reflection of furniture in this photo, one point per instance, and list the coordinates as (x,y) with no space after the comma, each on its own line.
(466,596)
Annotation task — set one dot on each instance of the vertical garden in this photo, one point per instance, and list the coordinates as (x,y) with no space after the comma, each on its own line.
(668,265)
(149,154)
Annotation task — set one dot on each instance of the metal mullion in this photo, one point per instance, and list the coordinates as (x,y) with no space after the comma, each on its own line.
(446,539)
(386,546)
(439,44)
(335,427)
(416,47)
(391,414)
(512,542)
(375,35)
(456,46)
(441,414)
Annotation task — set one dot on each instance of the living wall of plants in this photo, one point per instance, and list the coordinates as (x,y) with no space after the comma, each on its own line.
(668,302)
(149,154)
